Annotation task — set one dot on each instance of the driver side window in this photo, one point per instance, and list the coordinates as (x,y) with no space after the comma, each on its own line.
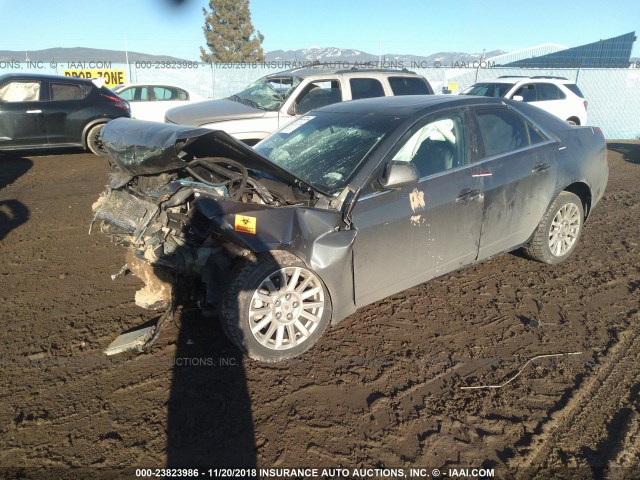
(318,94)
(437,146)
(20,91)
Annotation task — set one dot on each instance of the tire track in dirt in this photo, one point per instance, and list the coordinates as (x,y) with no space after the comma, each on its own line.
(585,425)
(380,389)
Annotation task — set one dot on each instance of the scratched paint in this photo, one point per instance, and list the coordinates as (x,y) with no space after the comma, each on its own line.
(416,199)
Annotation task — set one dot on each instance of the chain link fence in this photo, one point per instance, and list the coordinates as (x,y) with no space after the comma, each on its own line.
(613,94)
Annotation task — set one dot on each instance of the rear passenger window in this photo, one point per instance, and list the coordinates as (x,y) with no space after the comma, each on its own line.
(409,86)
(365,88)
(67,91)
(501,131)
(548,91)
(182,95)
(161,93)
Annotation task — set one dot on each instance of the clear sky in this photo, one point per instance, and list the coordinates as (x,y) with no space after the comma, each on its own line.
(418,27)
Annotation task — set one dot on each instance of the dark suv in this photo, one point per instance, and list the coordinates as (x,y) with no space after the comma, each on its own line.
(44,111)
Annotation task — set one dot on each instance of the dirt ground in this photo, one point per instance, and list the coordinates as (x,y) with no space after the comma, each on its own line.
(383,389)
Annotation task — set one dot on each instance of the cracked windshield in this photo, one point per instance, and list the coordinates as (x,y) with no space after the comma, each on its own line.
(267,93)
(326,148)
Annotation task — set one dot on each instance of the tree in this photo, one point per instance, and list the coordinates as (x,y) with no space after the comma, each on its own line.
(229,33)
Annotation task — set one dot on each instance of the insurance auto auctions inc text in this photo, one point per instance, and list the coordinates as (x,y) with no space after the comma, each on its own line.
(329,473)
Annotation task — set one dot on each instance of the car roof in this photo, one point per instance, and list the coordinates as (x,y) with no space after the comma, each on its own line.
(537,79)
(150,84)
(322,69)
(38,76)
(406,105)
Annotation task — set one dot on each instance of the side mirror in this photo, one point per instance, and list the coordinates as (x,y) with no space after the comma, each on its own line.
(293,111)
(518,98)
(399,174)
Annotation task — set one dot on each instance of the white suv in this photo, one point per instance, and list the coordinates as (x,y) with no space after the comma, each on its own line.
(556,95)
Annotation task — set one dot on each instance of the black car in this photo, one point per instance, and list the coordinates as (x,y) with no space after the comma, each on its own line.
(45,111)
(347,205)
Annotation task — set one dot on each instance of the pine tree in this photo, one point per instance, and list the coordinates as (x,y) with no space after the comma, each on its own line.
(229,33)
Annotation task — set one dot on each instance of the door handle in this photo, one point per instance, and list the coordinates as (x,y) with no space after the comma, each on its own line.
(468,195)
(34,111)
(481,173)
(541,168)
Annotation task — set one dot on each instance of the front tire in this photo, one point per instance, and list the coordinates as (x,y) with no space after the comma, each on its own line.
(559,230)
(275,307)
(94,141)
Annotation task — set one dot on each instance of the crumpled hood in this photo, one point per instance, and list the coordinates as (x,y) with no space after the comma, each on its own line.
(149,148)
(210,111)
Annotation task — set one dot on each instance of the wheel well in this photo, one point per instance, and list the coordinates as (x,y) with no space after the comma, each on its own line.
(575,120)
(89,126)
(584,193)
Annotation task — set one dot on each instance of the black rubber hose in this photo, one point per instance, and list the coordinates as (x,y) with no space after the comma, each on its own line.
(220,165)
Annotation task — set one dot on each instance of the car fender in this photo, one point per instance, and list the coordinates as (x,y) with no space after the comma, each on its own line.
(310,234)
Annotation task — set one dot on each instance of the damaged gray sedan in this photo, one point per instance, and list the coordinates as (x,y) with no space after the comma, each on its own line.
(345,206)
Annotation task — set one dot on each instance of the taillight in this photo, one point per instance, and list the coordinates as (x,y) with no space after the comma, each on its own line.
(599,132)
(118,102)
(586,104)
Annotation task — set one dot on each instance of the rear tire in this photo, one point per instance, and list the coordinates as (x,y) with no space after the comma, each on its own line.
(559,230)
(94,141)
(274,307)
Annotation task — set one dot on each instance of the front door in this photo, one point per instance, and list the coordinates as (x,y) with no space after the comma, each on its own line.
(315,94)
(22,121)
(415,233)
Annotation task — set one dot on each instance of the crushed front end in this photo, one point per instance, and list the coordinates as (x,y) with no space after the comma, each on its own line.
(187,202)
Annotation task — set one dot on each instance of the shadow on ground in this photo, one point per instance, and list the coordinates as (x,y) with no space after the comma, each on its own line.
(13,213)
(630,151)
(210,424)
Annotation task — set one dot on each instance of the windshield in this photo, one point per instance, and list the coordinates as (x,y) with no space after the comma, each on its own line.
(267,93)
(488,89)
(325,149)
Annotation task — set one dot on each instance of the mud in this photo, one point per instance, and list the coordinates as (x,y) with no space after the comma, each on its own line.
(380,390)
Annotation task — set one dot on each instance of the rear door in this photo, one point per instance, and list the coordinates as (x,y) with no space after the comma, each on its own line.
(546,96)
(66,111)
(415,233)
(518,175)
(551,99)
(22,121)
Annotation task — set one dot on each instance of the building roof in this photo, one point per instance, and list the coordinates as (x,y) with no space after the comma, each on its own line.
(609,53)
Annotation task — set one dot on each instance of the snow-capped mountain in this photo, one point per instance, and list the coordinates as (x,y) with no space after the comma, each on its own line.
(333,54)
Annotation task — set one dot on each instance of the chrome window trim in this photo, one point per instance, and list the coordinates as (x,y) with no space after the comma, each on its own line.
(463,167)
(510,152)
